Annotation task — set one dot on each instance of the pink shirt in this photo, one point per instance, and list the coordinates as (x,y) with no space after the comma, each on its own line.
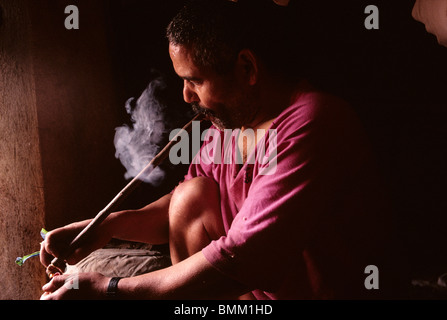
(298,231)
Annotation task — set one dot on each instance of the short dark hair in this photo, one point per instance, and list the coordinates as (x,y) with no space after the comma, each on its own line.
(217,30)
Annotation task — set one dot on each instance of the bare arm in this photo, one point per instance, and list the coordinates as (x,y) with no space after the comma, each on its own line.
(149,224)
(193,278)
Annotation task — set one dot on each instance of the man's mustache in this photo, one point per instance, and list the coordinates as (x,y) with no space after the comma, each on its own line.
(205,111)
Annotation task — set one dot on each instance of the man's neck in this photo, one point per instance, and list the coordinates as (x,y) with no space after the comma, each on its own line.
(275,97)
(273,101)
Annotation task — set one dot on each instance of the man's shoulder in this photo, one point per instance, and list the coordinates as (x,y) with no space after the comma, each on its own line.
(308,105)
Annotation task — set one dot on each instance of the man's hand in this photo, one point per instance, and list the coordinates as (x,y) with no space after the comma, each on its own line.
(78,286)
(57,241)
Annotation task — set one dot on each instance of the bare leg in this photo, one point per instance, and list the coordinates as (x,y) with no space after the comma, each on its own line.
(194,217)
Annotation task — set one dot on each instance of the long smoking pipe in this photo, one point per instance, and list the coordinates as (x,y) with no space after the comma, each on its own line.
(58,263)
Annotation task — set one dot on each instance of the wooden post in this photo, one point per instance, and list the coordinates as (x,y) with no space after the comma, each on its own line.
(21,186)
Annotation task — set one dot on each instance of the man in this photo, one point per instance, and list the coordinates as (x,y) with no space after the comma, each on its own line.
(305,230)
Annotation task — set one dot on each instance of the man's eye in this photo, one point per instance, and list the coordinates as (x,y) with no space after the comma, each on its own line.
(195,82)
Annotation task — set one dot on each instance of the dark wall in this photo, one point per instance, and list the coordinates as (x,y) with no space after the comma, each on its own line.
(396,77)
(77,107)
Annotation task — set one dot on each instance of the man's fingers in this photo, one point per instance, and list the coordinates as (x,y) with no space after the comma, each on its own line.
(45,257)
(45,296)
(55,283)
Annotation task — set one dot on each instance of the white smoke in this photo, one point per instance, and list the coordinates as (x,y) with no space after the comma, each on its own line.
(137,144)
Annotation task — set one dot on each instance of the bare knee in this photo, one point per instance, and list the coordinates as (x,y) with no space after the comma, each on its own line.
(192,196)
(194,217)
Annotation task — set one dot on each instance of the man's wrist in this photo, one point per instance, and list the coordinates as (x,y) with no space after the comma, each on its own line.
(112,288)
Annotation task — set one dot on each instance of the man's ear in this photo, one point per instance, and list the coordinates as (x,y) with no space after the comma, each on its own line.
(248,66)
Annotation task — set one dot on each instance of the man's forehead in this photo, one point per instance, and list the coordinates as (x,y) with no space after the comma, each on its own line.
(176,50)
(183,63)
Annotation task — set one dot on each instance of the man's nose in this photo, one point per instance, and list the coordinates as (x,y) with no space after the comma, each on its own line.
(189,95)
